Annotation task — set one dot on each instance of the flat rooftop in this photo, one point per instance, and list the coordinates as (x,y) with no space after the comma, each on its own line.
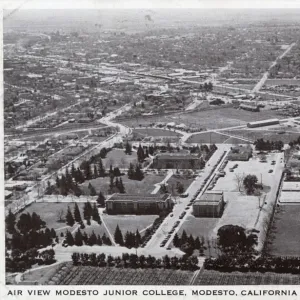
(138,198)
(209,198)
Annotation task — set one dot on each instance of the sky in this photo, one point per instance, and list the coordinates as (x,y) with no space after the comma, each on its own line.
(148,4)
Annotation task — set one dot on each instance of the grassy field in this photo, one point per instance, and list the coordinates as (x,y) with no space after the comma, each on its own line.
(265,134)
(198,226)
(172,183)
(128,222)
(210,119)
(283,238)
(86,275)
(146,186)
(117,157)
(49,213)
(210,277)
(155,132)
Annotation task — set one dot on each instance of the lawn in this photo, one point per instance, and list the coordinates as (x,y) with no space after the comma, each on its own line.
(117,157)
(49,213)
(146,186)
(210,119)
(86,275)
(128,222)
(284,238)
(155,132)
(198,227)
(210,277)
(184,180)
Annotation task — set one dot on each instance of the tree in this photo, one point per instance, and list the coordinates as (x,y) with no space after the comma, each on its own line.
(95,214)
(69,238)
(139,175)
(69,217)
(101,169)
(116,172)
(138,239)
(239,179)
(233,241)
(250,182)
(24,223)
(118,236)
(77,215)
(179,187)
(121,186)
(140,154)
(60,215)
(176,241)
(10,222)
(78,239)
(92,190)
(87,211)
(128,148)
(101,199)
(95,175)
(92,239)
(131,172)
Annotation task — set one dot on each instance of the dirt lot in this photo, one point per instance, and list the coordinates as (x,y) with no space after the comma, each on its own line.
(265,134)
(146,186)
(210,119)
(128,222)
(284,236)
(155,132)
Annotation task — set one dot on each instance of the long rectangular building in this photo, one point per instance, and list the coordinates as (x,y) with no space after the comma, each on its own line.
(138,204)
(263,123)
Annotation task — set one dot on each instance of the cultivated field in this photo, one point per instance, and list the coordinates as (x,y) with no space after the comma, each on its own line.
(128,222)
(284,239)
(86,275)
(209,119)
(146,186)
(210,277)
(208,137)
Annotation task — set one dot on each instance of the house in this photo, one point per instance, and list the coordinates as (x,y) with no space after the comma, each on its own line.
(241,153)
(138,204)
(177,161)
(209,205)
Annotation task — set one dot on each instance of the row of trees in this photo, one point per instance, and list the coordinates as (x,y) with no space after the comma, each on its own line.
(116,186)
(135,261)
(130,240)
(261,264)
(262,145)
(188,244)
(89,212)
(81,239)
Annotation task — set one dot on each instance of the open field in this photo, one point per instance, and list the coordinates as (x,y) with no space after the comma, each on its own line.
(49,213)
(198,227)
(284,239)
(128,222)
(117,157)
(154,132)
(146,186)
(209,119)
(86,275)
(208,137)
(265,134)
(210,277)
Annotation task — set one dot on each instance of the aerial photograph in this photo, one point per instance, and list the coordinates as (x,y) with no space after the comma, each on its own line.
(151,146)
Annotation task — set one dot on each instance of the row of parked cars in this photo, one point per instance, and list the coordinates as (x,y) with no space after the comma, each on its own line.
(169,235)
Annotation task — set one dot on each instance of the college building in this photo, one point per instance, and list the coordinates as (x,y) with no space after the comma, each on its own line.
(138,204)
(177,161)
(241,153)
(209,205)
